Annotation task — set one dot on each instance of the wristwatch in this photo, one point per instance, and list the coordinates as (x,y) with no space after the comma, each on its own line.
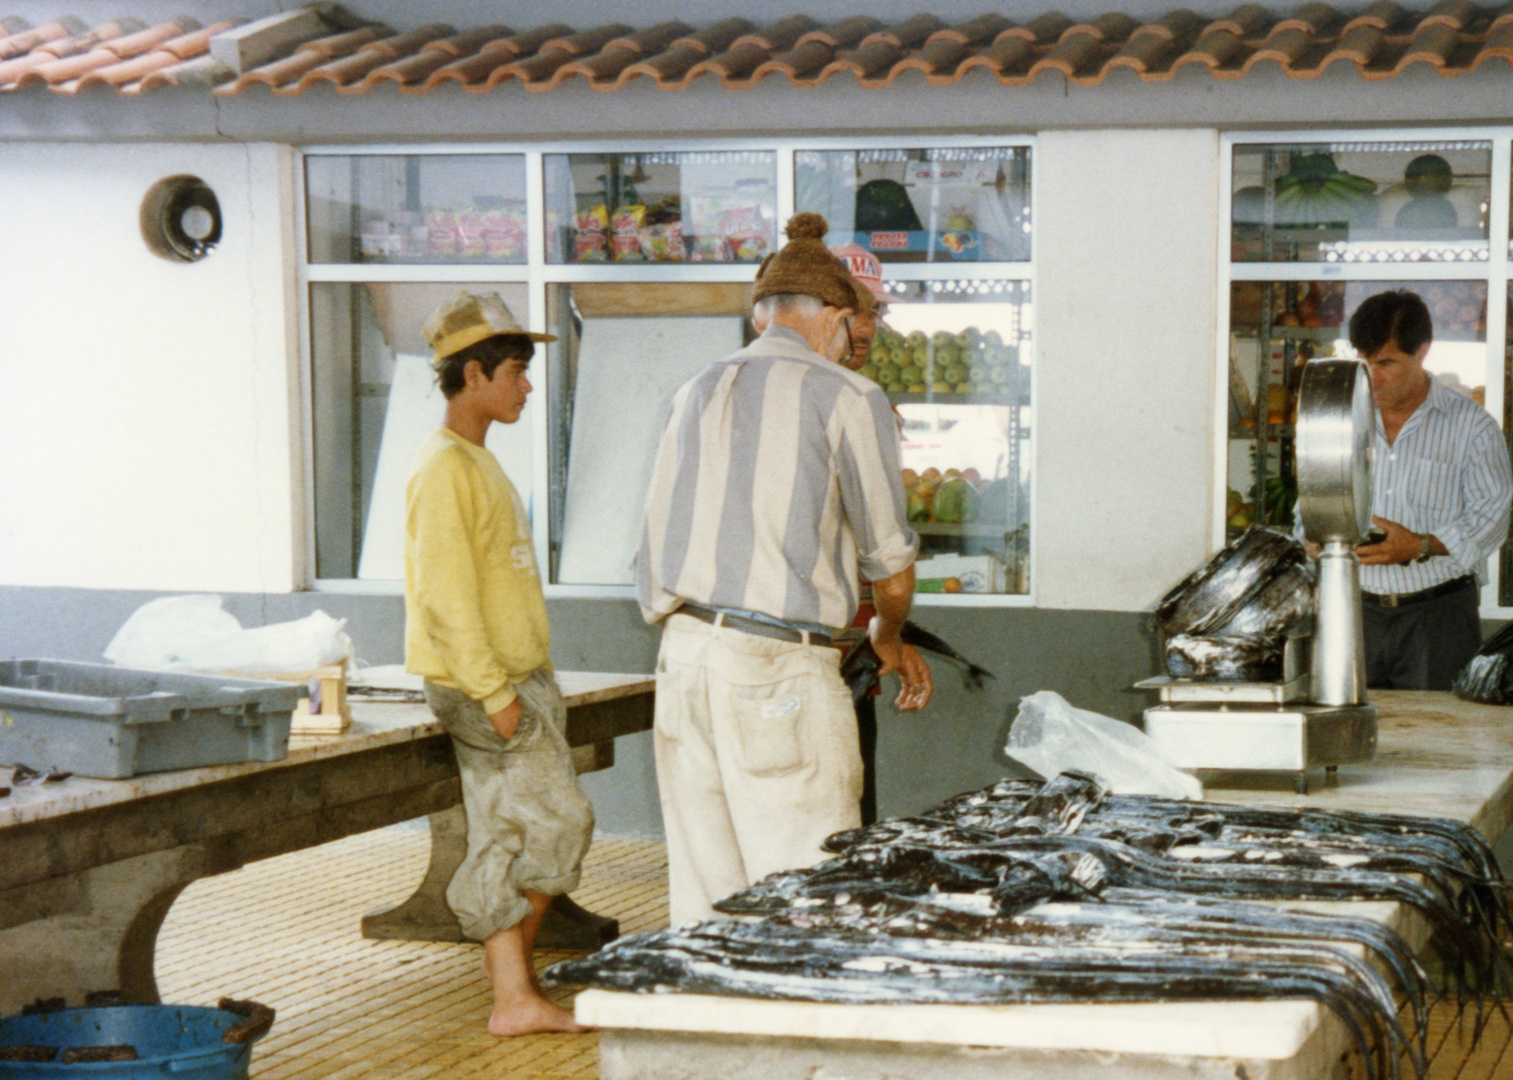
(1423,548)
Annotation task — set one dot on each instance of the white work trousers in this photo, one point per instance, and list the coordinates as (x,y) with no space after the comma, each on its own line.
(757,759)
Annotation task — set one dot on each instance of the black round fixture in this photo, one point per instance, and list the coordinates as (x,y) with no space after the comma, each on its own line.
(181,218)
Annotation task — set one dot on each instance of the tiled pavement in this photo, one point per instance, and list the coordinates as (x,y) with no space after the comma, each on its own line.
(285,932)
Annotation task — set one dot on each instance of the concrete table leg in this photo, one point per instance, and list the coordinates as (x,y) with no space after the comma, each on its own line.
(103,938)
(425,916)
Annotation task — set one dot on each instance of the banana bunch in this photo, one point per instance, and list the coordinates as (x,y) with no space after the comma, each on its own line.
(1317,197)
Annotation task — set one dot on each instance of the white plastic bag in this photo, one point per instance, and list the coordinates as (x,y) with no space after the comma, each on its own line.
(1050,735)
(194,633)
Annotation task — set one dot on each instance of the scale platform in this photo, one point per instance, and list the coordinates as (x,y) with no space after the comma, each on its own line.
(1256,727)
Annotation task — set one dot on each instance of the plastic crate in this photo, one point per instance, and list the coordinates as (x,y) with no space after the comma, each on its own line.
(111,722)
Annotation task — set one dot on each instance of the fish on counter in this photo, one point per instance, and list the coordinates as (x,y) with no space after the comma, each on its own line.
(1061,892)
(1228,620)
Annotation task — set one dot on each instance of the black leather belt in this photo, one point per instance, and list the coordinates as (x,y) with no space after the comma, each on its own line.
(1444,588)
(752,626)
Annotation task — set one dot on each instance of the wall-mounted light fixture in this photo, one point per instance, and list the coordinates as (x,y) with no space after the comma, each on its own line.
(181,218)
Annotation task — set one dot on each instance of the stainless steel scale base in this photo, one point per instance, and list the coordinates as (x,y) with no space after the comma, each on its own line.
(1260,736)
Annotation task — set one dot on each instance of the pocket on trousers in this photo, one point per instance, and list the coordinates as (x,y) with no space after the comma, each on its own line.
(525,733)
(770,728)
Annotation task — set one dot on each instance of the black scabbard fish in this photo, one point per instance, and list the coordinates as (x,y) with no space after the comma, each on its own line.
(860,666)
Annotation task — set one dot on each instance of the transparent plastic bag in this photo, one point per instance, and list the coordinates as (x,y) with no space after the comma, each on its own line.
(1049,735)
(194,633)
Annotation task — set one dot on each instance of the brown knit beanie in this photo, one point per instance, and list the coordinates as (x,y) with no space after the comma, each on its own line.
(805,266)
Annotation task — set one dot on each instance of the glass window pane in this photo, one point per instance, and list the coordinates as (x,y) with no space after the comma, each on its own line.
(1362,202)
(623,350)
(954,357)
(960,204)
(432,208)
(1504,560)
(1278,326)
(707,206)
(374,402)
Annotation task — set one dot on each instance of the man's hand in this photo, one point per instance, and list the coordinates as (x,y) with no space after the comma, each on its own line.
(1401,545)
(914,674)
(507,720)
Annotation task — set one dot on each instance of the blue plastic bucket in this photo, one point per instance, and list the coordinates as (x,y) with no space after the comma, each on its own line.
(183,1042)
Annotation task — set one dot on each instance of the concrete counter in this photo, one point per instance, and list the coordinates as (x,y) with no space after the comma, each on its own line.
(89,868)
(1437,756)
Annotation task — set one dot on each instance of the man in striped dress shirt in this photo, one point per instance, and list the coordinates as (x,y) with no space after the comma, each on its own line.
(776,486)
(1441,489)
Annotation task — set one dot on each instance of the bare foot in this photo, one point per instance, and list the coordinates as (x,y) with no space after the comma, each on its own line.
(532,1015)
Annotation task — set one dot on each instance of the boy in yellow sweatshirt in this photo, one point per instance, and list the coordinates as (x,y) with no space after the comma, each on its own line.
(475,628)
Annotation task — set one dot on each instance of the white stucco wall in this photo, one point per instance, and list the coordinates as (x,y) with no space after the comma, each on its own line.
(146,407)
(149,411)
(1126,230)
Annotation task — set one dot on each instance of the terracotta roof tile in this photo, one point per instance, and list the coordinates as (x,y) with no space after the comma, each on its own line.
(604,68)
(20,39)
(291,74)
(682,54)
(357,65)
(808,62)
(735,65)
(1152,48)
(412,72)
(542,71)
(324,46)
(944,50)
(62,56)
(152,50)
(875,57)
(201,71)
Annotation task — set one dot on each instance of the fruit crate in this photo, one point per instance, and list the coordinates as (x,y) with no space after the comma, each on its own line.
(110,722)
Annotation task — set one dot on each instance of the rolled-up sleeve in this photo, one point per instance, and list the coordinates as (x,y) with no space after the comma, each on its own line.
(870,474)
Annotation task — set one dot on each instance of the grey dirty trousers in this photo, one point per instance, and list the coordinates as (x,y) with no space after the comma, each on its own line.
(529,823)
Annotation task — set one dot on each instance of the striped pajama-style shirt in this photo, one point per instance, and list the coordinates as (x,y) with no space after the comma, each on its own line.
(1447,474)
(777,482)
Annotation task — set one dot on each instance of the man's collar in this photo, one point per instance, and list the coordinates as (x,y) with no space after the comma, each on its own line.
(1435,398)
(777,330)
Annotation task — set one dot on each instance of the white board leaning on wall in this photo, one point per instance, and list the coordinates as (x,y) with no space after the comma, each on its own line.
(628,371)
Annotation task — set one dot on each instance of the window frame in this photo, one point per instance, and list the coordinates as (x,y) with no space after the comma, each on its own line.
(1496,271)
(539,276)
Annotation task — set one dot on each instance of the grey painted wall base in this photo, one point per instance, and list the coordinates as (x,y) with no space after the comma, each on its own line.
(1092,658)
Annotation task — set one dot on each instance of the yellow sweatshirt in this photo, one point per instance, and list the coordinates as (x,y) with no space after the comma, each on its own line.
(475,618)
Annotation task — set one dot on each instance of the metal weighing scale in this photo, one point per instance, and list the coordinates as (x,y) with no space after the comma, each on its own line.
(1317,715)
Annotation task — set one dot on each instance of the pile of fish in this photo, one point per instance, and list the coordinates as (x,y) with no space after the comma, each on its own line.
(1229,619)
(1488,677)
(1063,892)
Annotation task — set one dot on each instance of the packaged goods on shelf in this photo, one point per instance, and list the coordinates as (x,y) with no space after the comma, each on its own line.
(969,573)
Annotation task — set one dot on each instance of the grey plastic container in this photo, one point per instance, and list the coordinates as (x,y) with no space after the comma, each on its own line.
(111,722)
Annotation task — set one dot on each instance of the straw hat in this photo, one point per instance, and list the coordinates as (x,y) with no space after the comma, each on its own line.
(805,266)
(467,319)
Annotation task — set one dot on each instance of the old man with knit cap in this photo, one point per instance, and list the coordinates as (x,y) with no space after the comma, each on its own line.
(776,486)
